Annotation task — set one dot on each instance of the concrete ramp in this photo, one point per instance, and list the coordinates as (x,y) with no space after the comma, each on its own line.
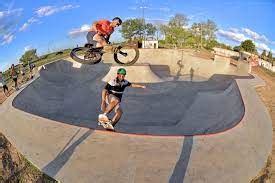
(138,73)
(72,95)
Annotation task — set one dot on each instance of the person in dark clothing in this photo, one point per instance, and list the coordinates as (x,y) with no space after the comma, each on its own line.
(3,84)
(14,76)
(111,99)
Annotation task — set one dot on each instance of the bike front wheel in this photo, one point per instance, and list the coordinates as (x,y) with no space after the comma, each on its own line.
(126,55)
(85,55)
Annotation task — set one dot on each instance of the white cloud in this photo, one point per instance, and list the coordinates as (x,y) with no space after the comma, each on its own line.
(45,11)
(8,13)
(8,20)
(27,24)
(7,38)
(23,27)
(27,48)
(80,31)
(50,10)
(261,46)
(138,7)
(237,37)
(254,35)
(234,30)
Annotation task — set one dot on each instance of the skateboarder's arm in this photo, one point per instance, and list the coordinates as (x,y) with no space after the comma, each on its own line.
(137,86)
(104,94)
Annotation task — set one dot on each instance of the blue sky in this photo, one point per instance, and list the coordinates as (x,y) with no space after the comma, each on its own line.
(49,25)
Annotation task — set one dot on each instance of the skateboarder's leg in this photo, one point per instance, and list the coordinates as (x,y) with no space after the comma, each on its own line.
(117,116)
(113,102)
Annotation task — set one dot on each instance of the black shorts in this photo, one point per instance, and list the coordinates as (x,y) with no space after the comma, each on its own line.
(14,79)
(90,37)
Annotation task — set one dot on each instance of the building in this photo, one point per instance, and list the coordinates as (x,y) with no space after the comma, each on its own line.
(150,43)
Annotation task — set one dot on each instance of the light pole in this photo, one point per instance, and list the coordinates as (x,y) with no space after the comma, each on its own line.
(201,35)
(143,22)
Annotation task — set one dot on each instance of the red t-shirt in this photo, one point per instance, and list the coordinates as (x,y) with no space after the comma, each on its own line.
(103,26)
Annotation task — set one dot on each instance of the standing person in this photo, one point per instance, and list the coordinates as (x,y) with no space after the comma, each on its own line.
(31,66)
(14,76)
(111,99)
(101,31)
(3,84)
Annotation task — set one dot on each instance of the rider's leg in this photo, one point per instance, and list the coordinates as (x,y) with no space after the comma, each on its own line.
(90,36)
(104,100)
(111,106)
(101,42)
(117,116)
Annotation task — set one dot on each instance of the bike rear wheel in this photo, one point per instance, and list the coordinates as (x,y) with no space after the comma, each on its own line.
(86,55)
(126,55)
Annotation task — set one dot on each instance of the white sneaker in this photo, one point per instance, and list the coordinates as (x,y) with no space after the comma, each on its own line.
(102,124)
(109,126)
(103,118)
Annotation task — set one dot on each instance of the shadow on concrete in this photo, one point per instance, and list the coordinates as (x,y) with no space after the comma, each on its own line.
(53,167)
(161,70)
(181,165)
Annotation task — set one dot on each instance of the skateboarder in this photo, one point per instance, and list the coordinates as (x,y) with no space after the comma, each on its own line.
(14,76)
(111,99)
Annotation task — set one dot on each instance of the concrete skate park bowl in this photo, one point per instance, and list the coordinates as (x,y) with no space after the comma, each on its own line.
(168,106)
(198,120)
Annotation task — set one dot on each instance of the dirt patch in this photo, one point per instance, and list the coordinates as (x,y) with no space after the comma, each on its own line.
(15,168)
(267,95)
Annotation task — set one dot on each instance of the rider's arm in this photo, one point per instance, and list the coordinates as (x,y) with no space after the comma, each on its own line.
(137,86)
(94,27)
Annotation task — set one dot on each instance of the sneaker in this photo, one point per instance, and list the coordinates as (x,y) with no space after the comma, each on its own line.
(109,126)
(103,118)
(103,124)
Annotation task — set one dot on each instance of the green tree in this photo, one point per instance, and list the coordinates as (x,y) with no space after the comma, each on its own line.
(150,29)
(135,28)
(205,33)
(237,48)
(211,44)
(179,20)
(175,33)
(248,46)
(263,55)
(28,56)
(132,28)
(196,30)
(209,30)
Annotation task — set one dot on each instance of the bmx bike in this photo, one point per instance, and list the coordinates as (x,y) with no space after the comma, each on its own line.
(123,54)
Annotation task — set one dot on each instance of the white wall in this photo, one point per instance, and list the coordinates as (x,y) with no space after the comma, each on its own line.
(150,44)
(225,52)
(266,65)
